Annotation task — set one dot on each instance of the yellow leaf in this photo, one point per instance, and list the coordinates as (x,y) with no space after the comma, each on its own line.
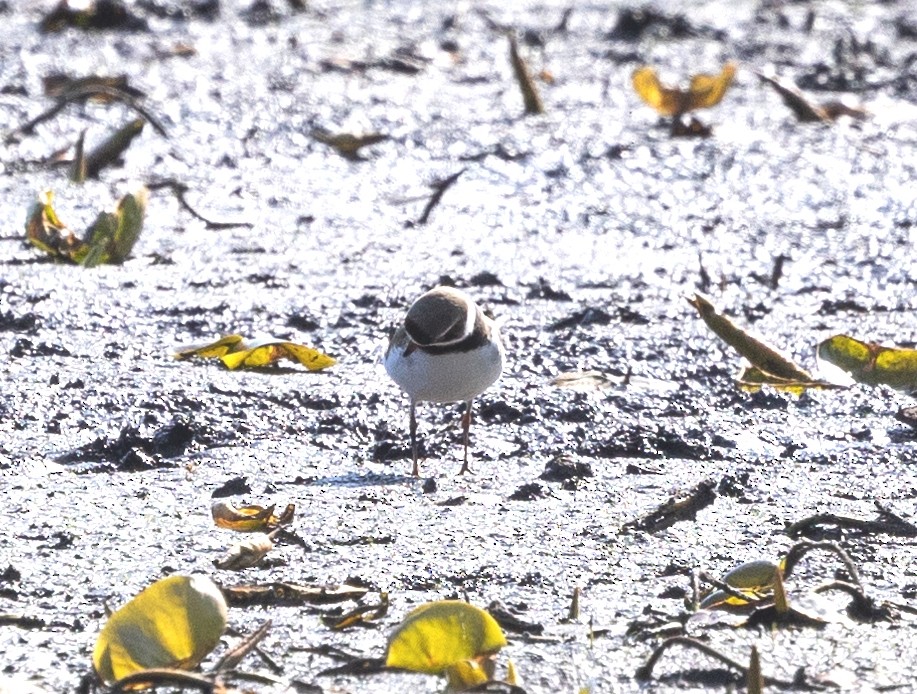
(466,674)
(249,519)
(752,378)
(45,230)
(174,623)
(705,90)
(266,352)
(871,363)
(224,345)
(440,634)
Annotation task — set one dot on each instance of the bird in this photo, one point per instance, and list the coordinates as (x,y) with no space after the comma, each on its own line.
(445,350)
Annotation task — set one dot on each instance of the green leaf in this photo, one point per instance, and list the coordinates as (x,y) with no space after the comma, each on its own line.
(98,241)
(131,211)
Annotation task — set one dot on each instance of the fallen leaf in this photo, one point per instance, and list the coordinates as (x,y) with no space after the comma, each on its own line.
(805,110)
(211,350)
(704,90)
(45,230)
(363,615)
(757,352)
(438,635)
(348,145)
(109,239)
(871,363)
(173,623)
(245,554)
(754,579)
(236,353)
(751,379)
(249,519)
(111,148)
(282,593)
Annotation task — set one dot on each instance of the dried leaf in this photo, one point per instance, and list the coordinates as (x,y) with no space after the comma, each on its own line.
(871,363)
(110,149)
(364,615)
(808,112)
(245,554)
(754,350)
(751,379)
(282,593)
(804,110)
(249,519)
(704,91)
(585,380)
(173,623)
(348,145)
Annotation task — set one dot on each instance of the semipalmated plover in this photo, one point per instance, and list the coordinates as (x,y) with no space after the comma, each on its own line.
(446,350)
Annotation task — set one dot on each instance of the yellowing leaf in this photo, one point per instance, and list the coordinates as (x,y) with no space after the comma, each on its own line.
(754,579)
(224,345)
(110,239)
(758,353)
(468,673)
(236,353)
(249,519)
(268,351)
(751,379)
(705,91)
(45,230)
(871,363)
(437,635)
(173,623)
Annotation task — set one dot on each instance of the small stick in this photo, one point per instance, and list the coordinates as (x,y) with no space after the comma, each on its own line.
(439,189)
(530,97)
(646,670)
(81,94)
(179,189)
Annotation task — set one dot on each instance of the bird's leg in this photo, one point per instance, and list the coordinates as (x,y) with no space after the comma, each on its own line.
(466,426)
(413,425)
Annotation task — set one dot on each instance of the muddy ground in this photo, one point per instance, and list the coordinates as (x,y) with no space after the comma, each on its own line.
(582,230)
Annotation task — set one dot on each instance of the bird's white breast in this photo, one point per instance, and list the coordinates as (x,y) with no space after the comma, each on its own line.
(449,376)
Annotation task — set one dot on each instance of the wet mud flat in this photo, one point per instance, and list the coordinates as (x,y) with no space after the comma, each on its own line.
(582,230)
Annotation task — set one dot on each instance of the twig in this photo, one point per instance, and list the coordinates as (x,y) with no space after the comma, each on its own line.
(439,189)
(179,678)
(863,605)
(646,670)
(800,549)
(888,524)
(676,509)
(179,189)
(81,94)
(530,97)
(233,657)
